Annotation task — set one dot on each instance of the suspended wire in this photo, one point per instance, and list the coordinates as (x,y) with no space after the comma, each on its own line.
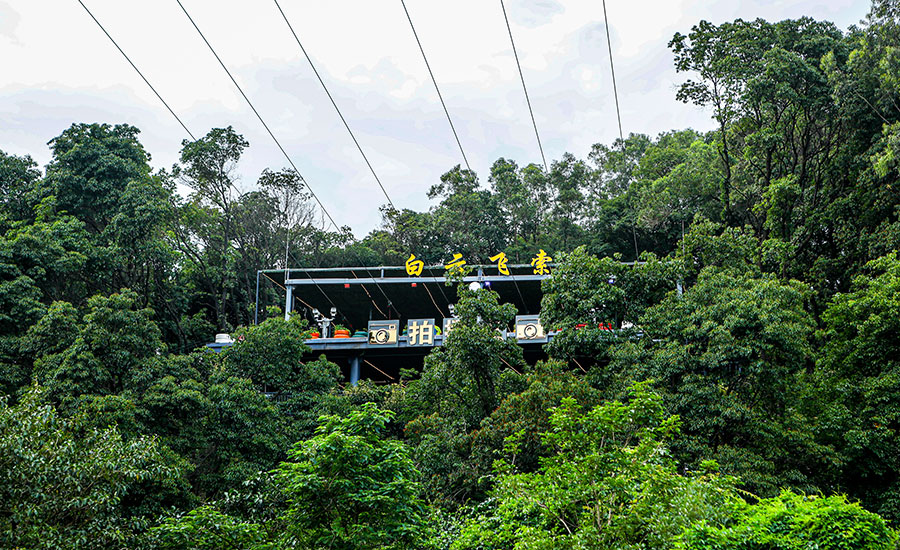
(284,289)
(287,273)
(263,122)
(436,88)
(366,361)
(193,138)
(522,78)
(613,71)
(138,71)
(274,281)
(286,270)
(147,82)
(524,303)
(271,134)
(334,104)
(441,288)
(389,304)
(533,123)
(433,301)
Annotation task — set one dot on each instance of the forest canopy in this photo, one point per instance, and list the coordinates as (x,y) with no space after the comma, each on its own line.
(756,406)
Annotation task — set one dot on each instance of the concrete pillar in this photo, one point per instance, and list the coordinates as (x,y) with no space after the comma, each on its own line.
(354,370)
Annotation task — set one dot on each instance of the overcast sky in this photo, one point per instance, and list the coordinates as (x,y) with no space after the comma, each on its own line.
(57,68)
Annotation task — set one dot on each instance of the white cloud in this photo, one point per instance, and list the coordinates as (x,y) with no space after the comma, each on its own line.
(59,68)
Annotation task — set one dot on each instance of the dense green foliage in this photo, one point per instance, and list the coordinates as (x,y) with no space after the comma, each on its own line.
(64,485)
(608,482)
(724,372)
(792,521)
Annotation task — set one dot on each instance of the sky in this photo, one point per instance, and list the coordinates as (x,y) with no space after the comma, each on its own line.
(58,68)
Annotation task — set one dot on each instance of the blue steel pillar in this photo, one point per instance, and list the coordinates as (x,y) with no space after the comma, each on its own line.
(288,301)
(354,370)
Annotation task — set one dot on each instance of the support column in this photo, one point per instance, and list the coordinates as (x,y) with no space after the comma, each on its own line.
(288,301)
(354,370)
(256,304)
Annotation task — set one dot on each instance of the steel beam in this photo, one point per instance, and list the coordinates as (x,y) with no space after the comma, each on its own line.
(408,280)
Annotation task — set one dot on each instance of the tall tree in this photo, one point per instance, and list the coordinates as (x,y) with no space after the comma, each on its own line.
(207,222)
(92,166)
(19,179)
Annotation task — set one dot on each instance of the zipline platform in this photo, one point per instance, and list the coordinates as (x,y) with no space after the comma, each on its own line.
(396,316)
(360,294)
(402,305)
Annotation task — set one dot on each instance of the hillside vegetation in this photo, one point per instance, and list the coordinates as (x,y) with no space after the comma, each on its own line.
(757,407)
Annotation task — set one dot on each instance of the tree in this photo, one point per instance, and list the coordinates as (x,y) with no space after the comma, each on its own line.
(270,355)
(856,402)
(865,89)
(207,167)
(405,232)
(115,344)
(681,171)
(613,207)
(100,176)
(521,194)
(462,383)
(525,416)
(728,356)
(568,178)
(19,177)
(461,379)
(793,521)
(349,487)
(206,528)
(587,292)
(92,166)
(468,217)
(608,482)
(65,486)
(803,112)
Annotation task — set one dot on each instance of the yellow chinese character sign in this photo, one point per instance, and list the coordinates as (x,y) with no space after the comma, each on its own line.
(540,263)
(420,332)
(456,262)
(501,263)
(414,267)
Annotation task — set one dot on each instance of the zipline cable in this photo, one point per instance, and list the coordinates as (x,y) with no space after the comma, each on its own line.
(334,104)
(612,69)
(525,88)
(272,135)
(133,66)
(436,88)
(147,82)
(183,125)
